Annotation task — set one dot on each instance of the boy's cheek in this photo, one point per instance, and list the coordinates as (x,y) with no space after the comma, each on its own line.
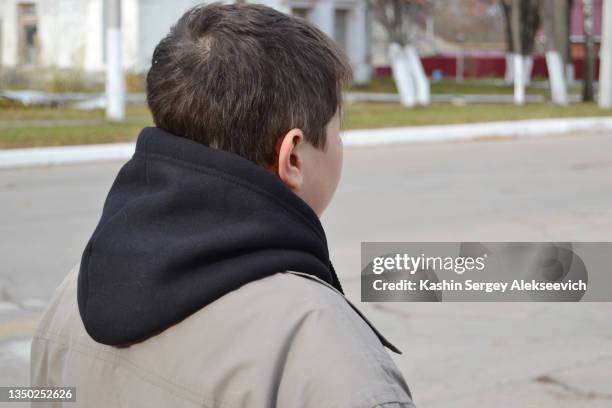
(334,173)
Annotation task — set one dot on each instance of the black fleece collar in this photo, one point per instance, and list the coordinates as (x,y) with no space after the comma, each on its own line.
(184,224)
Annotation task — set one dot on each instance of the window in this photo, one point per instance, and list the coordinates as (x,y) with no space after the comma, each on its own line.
(341,27)
(28,10)
(1,37)
(27,33)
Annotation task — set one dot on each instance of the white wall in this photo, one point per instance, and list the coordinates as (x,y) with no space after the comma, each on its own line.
(63,33)
(358,43)
(130,24)
(94,34)
(8,14)
(358,47)
(71,32)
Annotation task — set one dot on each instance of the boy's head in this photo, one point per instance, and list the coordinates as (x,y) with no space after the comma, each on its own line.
(256,82)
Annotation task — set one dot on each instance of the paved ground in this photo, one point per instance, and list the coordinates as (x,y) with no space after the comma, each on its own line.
(459,355)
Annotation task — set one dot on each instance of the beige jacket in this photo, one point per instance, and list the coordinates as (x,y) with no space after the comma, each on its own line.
(288,340)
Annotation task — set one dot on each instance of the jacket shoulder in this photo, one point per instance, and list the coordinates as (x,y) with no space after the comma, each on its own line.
(284,332)
(336,353)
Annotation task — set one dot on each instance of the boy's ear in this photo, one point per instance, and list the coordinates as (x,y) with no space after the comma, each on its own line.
(288,150)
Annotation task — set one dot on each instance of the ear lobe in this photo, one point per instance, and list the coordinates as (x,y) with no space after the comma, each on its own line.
(289,160)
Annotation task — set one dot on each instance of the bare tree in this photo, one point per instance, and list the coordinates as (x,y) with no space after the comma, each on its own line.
(399,17)
(569,64)
(554,20)
(589,52)
(394,15)
(516,13)
(527,26)
(506,6)
(605,69)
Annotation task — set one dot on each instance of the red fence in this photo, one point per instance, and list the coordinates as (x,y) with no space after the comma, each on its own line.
(485,66)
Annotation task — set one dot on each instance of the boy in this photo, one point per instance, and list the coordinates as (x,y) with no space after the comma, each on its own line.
(207,281)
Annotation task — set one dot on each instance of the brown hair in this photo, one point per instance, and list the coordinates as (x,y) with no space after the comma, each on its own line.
(239,76)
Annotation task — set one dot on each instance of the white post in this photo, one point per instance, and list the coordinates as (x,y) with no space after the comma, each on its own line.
(115,86)
(459,63)
(401,75)
(519,58)
(556,77)
(509,75)
(528,68)
(570,74)
(322,15)
(417,72)
(519,79)
(605,68)
(358,43)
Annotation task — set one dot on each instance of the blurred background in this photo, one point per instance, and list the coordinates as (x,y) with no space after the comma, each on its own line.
(468,120)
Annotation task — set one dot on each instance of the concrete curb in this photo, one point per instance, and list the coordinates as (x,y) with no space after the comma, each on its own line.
(45,156)
(49,156)
(471,131)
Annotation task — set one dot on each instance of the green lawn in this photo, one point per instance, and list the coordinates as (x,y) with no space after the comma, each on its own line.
(15,113)
(28,127)
(35,126)
(377,115)
(467,87)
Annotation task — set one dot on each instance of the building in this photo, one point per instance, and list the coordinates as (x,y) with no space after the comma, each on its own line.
(69,34)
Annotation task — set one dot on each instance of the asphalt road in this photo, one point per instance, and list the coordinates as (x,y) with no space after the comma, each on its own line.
(460,355)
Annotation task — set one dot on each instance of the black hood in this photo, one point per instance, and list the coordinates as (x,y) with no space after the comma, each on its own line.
(183,225)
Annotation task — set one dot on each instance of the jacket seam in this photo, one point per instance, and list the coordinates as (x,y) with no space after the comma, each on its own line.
(353,307)
(286,354)
(370,396)
(378,363)
(112,357)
